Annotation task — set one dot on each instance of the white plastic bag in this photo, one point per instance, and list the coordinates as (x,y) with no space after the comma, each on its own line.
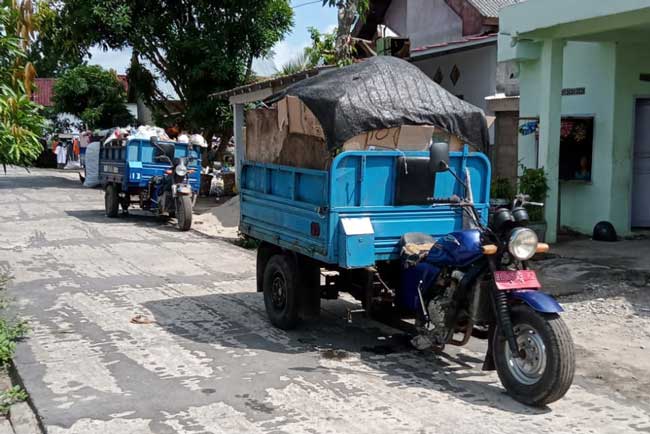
(198,140)
(92,165)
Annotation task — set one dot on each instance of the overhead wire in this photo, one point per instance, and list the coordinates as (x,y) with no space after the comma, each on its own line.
(306,4)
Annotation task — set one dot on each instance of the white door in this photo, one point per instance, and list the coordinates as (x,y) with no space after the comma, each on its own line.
(641,188)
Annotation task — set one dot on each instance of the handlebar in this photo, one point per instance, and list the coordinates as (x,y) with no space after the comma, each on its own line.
(454,200)
(523,199)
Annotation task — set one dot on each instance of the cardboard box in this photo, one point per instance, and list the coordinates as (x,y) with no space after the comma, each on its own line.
(268,140)
(406,138)
(415,137)
(300,119)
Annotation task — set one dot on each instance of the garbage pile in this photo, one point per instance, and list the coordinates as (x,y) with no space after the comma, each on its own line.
(146,132)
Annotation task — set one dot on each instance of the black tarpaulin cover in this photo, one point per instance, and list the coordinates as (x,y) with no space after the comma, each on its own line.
(384,92)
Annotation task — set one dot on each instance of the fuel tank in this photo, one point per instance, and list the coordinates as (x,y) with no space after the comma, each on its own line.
(458,249)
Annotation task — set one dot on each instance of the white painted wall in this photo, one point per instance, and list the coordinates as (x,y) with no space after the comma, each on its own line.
(477,73)
(395,17)
(425,22)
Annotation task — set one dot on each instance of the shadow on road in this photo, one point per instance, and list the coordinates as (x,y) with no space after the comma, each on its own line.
(38,182)
(238,320)
(137,218)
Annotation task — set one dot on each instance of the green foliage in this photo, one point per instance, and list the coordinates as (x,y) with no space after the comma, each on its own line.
(348,13)
(323,49)
(361,6)
(10,330)
(20,122)
(10,397)
(93,94)
(502,188)
(533,182)
(246,242)
(198,47)
(21,126)
(52,51)
(321,52)
(293,66)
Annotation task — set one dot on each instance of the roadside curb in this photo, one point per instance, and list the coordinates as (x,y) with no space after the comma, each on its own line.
(23,415)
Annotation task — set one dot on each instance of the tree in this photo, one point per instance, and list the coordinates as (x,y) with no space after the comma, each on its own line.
(94,95)
(349,11)
(21,125)
(198,47)
(323,48)
(321,52)
(52,51)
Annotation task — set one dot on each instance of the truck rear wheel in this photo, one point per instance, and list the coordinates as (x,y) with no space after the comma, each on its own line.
(184,212)
(280,291)
(111,201)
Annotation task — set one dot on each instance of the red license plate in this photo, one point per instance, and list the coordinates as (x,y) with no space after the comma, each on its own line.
(520,279)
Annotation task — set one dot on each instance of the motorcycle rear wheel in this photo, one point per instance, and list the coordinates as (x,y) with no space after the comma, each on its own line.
(184,212)
(544,371)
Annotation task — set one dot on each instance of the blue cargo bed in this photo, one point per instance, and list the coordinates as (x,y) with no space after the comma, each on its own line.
(350,215)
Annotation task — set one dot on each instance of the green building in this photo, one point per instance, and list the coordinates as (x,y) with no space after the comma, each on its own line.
(584,72)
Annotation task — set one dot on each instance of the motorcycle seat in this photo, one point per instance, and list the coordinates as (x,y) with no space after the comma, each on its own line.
(414,246)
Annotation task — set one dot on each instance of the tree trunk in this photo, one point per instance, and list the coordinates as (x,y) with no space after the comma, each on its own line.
(346,16)
(249,69)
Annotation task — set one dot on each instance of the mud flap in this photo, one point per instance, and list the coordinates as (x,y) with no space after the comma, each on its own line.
(310,291)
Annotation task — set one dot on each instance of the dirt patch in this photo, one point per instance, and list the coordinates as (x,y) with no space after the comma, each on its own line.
(221,221)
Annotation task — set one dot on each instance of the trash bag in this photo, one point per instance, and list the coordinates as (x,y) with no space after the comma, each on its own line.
(92,165)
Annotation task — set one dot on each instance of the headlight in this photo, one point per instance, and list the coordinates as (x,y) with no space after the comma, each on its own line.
(181,170)
(523,243)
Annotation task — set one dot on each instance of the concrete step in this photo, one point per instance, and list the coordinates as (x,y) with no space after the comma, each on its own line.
(5,426)
(23,420)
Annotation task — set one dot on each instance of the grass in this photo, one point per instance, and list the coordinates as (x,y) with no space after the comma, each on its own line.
(10,397)
(246,242)
(11,331)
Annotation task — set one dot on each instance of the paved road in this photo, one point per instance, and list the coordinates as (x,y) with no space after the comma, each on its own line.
(209,361)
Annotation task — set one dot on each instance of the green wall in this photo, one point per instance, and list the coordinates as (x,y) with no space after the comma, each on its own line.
(593,66)
(610,74)
(631,61)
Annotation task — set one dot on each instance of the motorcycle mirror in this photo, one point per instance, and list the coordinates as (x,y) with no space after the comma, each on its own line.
(439,157)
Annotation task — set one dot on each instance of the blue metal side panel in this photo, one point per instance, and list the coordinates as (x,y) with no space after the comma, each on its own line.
(112,165)
(280,204)
(369,193)
(134,163)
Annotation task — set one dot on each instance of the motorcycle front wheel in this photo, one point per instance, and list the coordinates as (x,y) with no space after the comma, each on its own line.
(184,212)
(544,370)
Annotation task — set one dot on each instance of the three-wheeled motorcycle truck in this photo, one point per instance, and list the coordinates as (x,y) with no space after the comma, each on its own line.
(160,177)
(406,231)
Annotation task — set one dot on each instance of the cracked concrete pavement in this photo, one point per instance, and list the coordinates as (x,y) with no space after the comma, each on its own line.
(202,357)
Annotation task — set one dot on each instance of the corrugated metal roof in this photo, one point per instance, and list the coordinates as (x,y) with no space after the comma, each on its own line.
(268,83)
(45,89)
(491,8)
(492,37)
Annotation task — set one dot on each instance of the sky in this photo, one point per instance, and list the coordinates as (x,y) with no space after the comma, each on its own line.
(307,13)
